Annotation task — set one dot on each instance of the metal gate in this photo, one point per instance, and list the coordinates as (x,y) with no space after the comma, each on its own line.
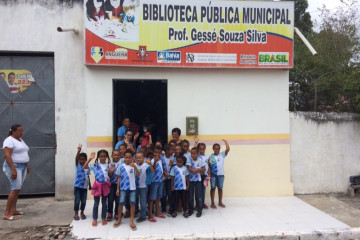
(34,108)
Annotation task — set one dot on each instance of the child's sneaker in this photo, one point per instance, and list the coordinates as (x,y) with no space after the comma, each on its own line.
(109,217)
(140,219)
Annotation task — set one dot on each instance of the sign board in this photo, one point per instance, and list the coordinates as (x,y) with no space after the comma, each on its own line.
(17,80)
(184,33)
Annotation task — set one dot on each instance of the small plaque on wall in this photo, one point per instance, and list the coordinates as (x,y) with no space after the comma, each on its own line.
(192,125)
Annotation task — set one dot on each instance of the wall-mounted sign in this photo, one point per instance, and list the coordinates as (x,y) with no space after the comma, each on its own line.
(184,33)
(192,125)
(17,80)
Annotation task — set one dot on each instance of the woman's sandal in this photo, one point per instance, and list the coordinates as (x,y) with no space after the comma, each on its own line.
(133,228)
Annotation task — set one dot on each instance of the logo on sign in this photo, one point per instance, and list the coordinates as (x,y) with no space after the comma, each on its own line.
(142,54)
(190,57)
(97,53)
(168,57)
(273,58)
(119,53)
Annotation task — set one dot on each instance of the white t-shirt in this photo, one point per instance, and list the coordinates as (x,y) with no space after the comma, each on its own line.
(127,177)
(206,160)
(179,174)
(19,149)
(167,165)
(142,177)
(199,163)
(104,169)
(217,163)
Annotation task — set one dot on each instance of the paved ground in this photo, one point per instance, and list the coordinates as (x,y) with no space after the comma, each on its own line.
(343,208)
(261,215)
(257,217)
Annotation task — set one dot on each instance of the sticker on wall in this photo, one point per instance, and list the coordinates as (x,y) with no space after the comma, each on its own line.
(17,80)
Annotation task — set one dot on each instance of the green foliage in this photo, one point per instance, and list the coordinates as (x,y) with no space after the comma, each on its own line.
(329,81)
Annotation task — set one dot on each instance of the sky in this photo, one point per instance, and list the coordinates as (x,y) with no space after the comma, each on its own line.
(315,4)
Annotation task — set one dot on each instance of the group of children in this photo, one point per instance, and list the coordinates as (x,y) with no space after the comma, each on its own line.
(171,174)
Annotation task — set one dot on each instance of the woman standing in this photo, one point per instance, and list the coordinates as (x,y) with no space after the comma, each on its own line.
(15,167)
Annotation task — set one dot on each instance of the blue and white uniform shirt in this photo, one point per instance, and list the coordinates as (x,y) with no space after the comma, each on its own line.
(141,180)
(158,173)
(101,171)
(206,161)
(217,164)
(166,164)
(199,163)
(81,177)
(187,155)
(114,177)
(127,177)
(179,174)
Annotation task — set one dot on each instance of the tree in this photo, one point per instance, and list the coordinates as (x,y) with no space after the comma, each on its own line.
(329,81)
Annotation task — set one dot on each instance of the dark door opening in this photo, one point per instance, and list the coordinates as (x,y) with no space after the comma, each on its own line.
(145,103)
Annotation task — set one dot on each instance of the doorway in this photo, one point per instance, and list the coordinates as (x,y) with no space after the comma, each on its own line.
(145,103)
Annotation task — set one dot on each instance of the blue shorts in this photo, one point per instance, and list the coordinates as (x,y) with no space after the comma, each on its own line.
(129,195)
(217,181)
(156,190)
(15,184)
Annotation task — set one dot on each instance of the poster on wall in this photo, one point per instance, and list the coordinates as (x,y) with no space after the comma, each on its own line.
(184,33)
(16,80)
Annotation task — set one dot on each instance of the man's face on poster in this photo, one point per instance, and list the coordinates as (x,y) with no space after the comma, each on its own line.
(11,79)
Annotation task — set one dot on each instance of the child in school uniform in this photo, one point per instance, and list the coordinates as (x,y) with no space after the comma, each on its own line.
(185,148)
(101,186)
(145,168)
(196,167)
(217,172)
(179,184)
(81,183)
(167,196)
(126,187)
(116,156)
(205,177)
(156,185)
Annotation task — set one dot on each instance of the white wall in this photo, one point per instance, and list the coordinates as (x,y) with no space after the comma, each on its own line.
(32,28)
(227,101)
(324,151)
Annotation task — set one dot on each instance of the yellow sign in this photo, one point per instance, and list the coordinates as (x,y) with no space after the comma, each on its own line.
(17,80)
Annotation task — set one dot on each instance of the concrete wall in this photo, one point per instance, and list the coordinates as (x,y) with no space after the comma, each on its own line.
(31,27)
(247,107)
(324,151)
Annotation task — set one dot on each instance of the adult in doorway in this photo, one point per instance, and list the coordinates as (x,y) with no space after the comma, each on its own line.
(127,141)
(176,133)
(122,130)
(15,167)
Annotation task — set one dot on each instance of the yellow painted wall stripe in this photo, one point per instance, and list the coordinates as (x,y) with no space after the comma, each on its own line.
(209,137)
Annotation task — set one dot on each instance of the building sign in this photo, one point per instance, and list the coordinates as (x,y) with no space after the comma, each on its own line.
(17,80)
(184,33)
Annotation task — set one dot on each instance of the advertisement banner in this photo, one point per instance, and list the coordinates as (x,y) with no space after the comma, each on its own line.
(17,80)
(184,33)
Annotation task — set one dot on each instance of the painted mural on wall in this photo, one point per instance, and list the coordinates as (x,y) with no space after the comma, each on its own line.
(17,80)
(185,33)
